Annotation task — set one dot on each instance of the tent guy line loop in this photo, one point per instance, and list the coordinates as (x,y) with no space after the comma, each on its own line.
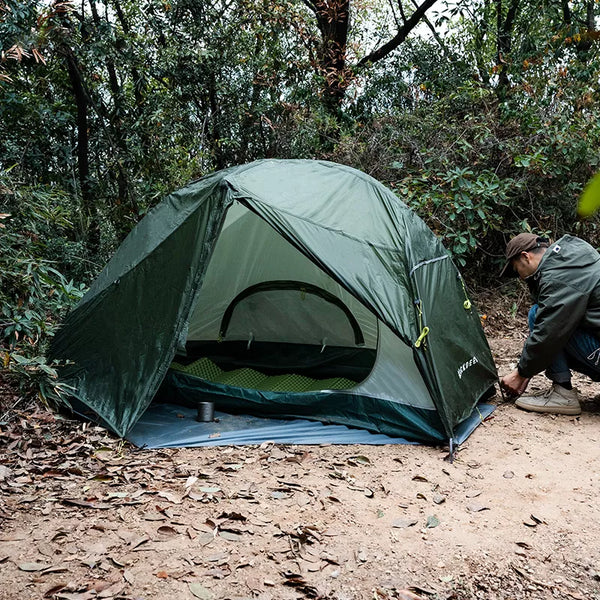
(420,339)
(424,329)
(467,303)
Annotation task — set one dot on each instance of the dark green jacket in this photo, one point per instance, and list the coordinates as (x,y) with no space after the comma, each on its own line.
(566,287)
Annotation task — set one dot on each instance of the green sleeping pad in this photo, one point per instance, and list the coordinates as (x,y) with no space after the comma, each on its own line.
(204,368)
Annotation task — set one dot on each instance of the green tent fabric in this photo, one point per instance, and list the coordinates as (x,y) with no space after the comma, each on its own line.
(286,254)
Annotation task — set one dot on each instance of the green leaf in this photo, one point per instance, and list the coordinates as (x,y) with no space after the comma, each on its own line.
(589,201)
(49,371)
(21,360)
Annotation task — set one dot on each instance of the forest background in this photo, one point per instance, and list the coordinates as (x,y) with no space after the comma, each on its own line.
(482,115)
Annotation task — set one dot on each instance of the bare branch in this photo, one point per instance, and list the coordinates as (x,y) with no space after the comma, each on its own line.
(401,8)
(393,7)
(435,34)
(400,36)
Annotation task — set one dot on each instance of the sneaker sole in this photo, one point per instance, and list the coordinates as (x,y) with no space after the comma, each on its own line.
(555,410)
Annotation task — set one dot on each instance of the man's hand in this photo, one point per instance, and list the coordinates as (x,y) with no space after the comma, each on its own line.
(513,384)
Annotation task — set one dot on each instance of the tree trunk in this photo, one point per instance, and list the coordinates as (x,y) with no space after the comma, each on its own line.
(333,21)
(215,137)
(480,37)
(83,164)
(139,84)
(504,43)
(125,199)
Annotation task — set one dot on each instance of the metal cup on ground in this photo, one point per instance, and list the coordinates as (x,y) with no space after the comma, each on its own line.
(206,412)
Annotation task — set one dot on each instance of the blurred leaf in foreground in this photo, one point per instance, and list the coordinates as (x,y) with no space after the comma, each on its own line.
(589,201)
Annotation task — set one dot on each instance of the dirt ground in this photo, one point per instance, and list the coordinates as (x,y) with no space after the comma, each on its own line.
(516,515)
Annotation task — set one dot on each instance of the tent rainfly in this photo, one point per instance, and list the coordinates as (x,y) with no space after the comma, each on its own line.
(282,288)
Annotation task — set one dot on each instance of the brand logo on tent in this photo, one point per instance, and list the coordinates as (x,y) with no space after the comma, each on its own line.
(466,365)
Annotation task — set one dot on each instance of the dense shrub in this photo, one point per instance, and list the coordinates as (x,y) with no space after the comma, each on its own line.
(34,294)
(479,170)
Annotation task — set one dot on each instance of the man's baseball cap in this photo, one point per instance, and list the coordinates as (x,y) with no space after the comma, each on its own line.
(524,242)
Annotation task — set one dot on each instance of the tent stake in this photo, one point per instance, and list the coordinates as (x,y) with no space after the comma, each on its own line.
(453,450)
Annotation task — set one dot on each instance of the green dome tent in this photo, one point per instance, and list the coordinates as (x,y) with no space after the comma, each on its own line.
(283,288)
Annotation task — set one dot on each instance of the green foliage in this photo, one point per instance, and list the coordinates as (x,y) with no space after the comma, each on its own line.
(462,205)
(479,170)
(33,293)
(489,127)
(172,91)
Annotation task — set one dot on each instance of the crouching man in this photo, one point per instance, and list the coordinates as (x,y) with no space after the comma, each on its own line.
(564,321)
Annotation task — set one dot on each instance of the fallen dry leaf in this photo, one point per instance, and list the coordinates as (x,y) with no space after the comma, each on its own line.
(200,591)
(170,497)
(86,504)
(113,590)
(230,536)
(403,523)
(167,531)
(33,566)
(51,592)
(432,521)
(137,542)
(129,576)
(474,508)
(473,494)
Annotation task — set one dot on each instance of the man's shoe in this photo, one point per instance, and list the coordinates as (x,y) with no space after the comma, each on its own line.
(556,400)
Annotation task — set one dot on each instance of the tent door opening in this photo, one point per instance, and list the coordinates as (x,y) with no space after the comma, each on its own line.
(268,319)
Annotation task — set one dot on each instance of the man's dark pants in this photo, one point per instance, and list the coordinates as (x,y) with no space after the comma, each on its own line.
(582,354)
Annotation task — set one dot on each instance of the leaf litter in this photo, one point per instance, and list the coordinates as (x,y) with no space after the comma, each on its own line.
(205,519)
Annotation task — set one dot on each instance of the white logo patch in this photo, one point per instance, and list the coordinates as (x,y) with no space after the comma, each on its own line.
(465,366)
(595,356)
